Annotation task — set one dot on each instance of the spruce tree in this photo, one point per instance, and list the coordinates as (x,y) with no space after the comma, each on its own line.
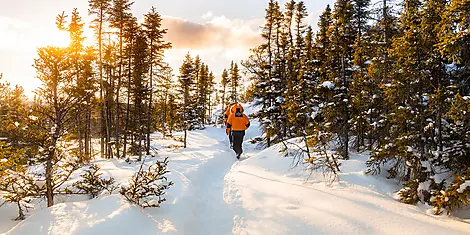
(157,46)
(99,9)
(341,36)
(224,82)
(234,82)
(119,13)
(186,82)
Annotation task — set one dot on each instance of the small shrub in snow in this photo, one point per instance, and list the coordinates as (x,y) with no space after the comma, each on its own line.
(454,197)
(409,194)
(147,187)
(18,187)
(324,160)
(93,184)
(311,150)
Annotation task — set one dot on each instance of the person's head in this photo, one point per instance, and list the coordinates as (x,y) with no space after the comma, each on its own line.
(237,108)
(230,105)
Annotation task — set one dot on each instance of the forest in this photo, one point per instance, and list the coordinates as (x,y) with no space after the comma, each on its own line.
(391,78)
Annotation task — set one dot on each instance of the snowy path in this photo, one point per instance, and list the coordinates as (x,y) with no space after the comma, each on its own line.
(216,194)
(195,204)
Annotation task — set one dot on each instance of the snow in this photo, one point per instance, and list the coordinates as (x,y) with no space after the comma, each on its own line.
(328,84)
(97,216)
(463,186)
(216,194)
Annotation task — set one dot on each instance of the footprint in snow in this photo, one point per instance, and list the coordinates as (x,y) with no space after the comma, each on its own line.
(292,208)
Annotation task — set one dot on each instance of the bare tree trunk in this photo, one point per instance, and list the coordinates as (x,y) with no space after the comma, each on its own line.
(185,124)
(88,132)
(49,190)
(149,111)
(107,113)
(140,134)
(79,133)
(103,110)
(346,109)
(127,108)
(118,103)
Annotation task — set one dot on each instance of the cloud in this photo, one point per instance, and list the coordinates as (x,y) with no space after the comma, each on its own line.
(207,15)
(218,31)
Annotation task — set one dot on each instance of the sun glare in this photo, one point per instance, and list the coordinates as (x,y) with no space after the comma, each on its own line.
(55,38)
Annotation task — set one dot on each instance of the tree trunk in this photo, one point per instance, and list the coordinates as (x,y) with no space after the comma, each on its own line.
(118,103)
(346,109)
(149,111)
(79,133)
(103,110)
(88,132)
(126,130)
(49,190)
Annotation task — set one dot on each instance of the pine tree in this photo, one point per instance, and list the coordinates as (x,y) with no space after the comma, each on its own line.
(130,35)
(454,46)
(297,102)
(406,99)
(260,65)
(157,48)
(341,36)
(234,82)
(224,83)
(140,90)
(186,81)
(54,111)
(361,90)
(99,9)
(119,13)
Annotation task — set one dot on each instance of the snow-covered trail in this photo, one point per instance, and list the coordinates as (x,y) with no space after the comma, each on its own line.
(198,207)
(278,200)
(213,193)
(195,203)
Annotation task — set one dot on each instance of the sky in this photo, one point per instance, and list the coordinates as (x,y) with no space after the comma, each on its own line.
(219,31)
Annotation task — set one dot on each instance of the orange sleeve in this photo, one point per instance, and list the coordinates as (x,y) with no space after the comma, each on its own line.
(230,118)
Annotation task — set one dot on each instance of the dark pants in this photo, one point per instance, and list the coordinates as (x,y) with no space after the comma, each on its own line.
(237,137)
(230,138)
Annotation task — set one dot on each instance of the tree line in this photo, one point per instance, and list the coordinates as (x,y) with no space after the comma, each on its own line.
(390,78)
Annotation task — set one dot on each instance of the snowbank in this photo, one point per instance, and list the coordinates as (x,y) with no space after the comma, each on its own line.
(109,214)
(274,198)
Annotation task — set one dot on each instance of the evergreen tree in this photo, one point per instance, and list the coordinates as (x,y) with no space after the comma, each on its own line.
(186,81)
(406,98)
(139,89)
(234,82)
(119,13)
(99,9)
(157,47)
(54,110)
(224,83)
(341,36)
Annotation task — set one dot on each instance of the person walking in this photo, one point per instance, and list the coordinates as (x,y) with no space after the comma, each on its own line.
(238,123)
(228,111)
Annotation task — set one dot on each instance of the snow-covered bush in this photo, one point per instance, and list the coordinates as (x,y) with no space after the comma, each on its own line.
(454,197)
(147,187)
(18,187)
(409,194)
(312,152)
(92,183)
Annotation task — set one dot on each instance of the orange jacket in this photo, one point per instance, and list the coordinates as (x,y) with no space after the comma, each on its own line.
(238,121)
(234,107)
(228,111)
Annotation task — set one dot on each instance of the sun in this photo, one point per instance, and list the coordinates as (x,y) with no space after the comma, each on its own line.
(55,37)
